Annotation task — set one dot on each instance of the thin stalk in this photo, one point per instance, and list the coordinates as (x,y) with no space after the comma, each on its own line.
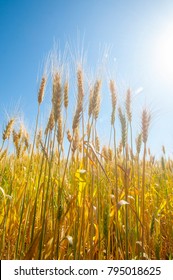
(116,188)
(143,196)
(26,185)
(37,193)
(46,198)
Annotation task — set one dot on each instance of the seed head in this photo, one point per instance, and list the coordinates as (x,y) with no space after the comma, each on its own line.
(123,127)
(80,98)
(128,105)
(57,96)
(41,90)
(60,131)
(69,136)
(146,118)
(50,124)
(138,143)
(7,130)
(96,99)
(114,100)
(66,89)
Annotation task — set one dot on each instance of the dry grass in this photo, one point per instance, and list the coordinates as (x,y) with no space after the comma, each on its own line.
(91,201)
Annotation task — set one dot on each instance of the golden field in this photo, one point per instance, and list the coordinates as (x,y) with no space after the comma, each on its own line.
(84,200)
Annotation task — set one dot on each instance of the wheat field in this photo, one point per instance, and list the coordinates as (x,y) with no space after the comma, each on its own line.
(66,195)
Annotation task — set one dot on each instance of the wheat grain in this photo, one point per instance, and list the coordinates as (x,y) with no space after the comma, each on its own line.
(123,127)
(114,100)
(57,96)
(7,130)
(146,117)
(80,98)
(66,89)
(42,90)
(128,105)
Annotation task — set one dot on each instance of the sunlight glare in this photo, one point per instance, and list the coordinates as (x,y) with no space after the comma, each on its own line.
(164,55)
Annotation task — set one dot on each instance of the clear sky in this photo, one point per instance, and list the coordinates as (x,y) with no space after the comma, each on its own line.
(138,33)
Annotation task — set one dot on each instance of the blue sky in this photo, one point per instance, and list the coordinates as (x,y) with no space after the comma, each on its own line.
(138,35)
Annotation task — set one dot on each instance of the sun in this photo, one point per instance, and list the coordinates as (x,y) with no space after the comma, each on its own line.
(163,54)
